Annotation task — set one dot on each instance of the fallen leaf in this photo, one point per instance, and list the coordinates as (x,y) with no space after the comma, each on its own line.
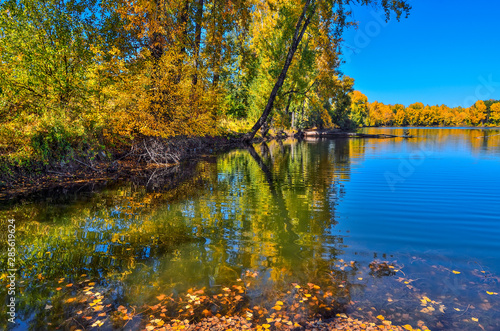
(455,272)
(98,308)
(97,323)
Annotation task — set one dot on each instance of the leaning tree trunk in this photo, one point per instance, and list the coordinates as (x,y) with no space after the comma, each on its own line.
(300,28)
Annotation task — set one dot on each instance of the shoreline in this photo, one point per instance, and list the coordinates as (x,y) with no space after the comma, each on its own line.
(125,163)
(122,165)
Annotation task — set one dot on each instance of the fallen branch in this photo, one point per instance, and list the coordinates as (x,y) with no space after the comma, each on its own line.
(85,164)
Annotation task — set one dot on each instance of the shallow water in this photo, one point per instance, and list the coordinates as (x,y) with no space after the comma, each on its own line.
(292,212)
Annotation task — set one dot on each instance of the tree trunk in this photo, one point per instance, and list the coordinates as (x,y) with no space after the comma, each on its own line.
(197,40)
(287,109)
(183,22)
(300,28)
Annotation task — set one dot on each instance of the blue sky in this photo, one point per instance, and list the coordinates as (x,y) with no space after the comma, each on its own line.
(446,52)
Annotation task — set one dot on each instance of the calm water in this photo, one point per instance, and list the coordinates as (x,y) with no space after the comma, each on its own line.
(291,212)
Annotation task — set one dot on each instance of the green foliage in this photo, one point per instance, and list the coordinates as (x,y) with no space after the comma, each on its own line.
(47,63)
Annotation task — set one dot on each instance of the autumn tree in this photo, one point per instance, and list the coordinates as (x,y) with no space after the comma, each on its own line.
(476,114)
(495,113)
(359,108)
(312,15)
(400,117)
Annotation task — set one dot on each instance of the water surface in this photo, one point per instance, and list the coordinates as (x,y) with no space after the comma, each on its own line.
(291,212)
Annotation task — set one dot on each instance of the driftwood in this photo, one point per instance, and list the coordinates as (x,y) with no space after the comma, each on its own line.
(336,133)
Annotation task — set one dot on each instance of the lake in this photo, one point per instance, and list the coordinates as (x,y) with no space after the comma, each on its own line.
(404,228)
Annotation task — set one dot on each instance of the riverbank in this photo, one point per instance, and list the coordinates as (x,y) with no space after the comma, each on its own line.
(112,165)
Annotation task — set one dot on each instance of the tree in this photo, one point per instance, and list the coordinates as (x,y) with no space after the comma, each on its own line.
(49,53)
(476,114)
(399,115)
(359,108)
(495,113)
(320,13)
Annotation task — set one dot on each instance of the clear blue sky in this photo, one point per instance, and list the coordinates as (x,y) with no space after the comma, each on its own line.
(445,52)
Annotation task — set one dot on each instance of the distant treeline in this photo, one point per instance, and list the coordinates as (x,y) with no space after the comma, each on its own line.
(364,113)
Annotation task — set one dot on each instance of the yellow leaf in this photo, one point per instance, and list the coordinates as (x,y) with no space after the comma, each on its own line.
(277,307)
(98,308)
(474,319)
(380,317)
(455,272)
(97,323)
(70,300)
(266,326)
(279,303)
(491,293)
(408,327)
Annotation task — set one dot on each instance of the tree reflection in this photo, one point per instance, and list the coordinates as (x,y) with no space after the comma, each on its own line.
(203,225)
